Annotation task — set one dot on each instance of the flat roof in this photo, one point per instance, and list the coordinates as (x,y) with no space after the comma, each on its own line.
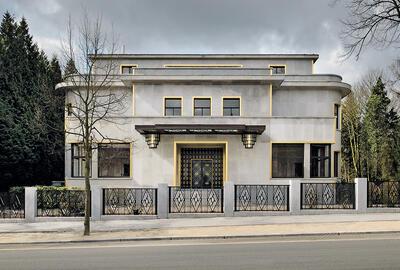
(313,57)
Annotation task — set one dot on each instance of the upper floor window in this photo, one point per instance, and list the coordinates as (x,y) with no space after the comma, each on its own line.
(128,69)
(288,160)
(114,160)
(231,106)
(278,69)
(173,106)
(78,160)
(337,115)
(202,107)
(320,160)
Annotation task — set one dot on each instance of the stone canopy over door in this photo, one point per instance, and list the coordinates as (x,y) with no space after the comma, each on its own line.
(201,167)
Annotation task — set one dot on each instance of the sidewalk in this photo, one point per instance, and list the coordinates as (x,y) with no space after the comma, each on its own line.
(190,228)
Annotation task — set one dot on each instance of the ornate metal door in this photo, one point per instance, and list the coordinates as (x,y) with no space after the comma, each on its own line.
(202,173)
(207,162)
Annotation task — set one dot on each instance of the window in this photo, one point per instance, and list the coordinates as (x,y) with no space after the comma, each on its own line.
(202,107)
(278,70)
(114,160)
(78,160)
(320,160)
(336,156)
(287,160)
(337,115)
(127,69)
(231,106)
(172,106)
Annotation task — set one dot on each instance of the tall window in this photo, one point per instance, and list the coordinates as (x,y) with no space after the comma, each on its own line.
(231,106)
(114,160)
(172,106)
(337,115)
(320,160)
(202,107)
(287,160)
(78,160)
(128,69)
(278,70)
(336,156)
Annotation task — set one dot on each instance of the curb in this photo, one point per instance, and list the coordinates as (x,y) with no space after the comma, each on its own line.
(216,237)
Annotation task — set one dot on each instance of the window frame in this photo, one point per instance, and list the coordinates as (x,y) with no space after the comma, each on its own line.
(194,109)
(272,163)
(319,157)
(271,66)
(133,66)
(165,107)
(240,105)
(74,157)
(130,160)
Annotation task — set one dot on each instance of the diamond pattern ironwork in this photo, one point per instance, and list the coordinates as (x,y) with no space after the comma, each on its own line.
(261,198)
(327,196)
(12,204)
(197,200)
(130,201)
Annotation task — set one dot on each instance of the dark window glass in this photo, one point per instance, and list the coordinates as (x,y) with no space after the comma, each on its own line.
(336,164)
(127,69)
(278,70)
(337,115)
(173,107)
(202,106)
(288,160)
(231,107)
(78,160)
(320,160)
(114,160)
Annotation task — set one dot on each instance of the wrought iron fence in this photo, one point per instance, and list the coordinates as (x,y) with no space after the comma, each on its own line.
(261,198)
(12,204)
(384,194)
(328,196)
(130,201)
(60,203)
(196,200)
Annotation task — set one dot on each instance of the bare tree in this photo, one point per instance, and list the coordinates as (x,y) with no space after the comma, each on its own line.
(92,97)
(371,23)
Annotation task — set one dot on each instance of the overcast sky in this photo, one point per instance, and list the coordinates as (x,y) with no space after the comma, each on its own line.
(209,26)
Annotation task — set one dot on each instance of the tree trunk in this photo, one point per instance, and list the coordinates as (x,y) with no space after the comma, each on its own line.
(87,192)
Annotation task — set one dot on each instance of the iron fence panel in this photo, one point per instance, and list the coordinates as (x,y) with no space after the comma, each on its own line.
(261,198)
(12,204)
(328,196)
(60,203)
(195,200)
(384,194)
(130,201)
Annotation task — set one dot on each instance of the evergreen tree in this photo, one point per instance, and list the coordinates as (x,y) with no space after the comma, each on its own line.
(70,68)
(381,133)
(31,118)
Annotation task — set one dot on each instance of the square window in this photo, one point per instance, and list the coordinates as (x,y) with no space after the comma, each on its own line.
(278,70)
(173,107)
(114,160)
(202,107)
(287,160)
(231,107)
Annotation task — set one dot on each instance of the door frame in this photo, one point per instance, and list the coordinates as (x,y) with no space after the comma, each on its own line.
(199,144)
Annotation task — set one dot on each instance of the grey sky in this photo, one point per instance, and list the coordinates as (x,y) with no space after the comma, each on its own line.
(209,26)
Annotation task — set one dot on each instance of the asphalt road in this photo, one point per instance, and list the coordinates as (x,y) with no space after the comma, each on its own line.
(339,252)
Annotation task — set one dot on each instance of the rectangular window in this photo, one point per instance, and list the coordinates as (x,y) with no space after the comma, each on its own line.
(78,161)
(320,160)
(173,107)
(337,115)
(114,160)
(287,160)
(128,69)
(231,106)
(202,107)
(278,70)
(336,164)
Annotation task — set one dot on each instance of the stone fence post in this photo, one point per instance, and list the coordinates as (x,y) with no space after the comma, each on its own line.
(96,202)
(229,198)
(30,204)
(294,196)
(162,200)
(361,195)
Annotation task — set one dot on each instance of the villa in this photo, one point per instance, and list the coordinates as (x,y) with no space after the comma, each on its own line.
(200,120)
